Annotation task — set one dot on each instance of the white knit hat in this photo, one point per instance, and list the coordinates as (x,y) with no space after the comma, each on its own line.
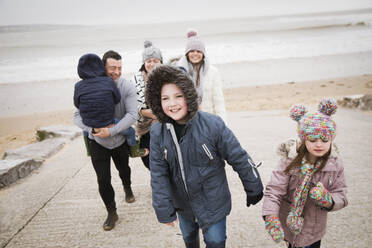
(194,43)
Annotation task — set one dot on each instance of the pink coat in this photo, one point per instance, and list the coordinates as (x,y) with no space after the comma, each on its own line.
(279,194)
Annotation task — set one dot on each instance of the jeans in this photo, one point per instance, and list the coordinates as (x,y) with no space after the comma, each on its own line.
(214,236)
(130,135)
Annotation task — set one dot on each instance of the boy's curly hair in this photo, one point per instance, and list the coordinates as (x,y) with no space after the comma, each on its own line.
(166,74)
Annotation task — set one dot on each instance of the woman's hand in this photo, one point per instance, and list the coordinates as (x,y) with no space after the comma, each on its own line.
(148,114)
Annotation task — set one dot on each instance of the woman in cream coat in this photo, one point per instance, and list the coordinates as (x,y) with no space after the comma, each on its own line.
(206,78)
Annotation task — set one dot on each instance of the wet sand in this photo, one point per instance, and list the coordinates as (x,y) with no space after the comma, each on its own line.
(35,107)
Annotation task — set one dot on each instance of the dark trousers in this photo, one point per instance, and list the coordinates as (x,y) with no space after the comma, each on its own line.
(101,158)
(313,245)
(145,143)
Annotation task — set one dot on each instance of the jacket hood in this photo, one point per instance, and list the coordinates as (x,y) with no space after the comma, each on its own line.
(90,66)
(288,149)
(165,74)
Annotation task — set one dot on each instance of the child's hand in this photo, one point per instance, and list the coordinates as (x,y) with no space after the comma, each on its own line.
(321,196)
(254,199)
(274,228)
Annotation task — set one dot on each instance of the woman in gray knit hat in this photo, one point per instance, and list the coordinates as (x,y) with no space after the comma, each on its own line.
(207,79)
(151,57)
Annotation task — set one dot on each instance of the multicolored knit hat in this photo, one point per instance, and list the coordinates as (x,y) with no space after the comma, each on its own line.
(194,43)
(316,125)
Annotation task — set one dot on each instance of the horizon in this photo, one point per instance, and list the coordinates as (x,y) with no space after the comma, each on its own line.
(95,12)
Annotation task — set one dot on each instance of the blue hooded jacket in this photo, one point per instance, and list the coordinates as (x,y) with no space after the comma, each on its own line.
(96,94)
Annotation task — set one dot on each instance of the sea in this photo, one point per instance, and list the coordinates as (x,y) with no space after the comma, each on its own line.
(251,42)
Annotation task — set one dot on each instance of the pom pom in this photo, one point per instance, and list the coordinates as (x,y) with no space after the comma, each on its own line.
(327,106)
(147,43)
(297,112)
(191,33)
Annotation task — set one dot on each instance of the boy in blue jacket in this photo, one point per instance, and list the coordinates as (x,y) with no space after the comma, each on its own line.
(188,150)
(96,96)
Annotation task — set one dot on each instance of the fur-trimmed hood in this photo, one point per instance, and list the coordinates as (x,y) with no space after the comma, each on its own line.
(165,74)
(288,149)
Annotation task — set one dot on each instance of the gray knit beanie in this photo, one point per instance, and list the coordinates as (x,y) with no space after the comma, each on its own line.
(194,43)
(151,52)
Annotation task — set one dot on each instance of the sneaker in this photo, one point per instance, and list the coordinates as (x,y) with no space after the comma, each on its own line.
(109,223)
(129,197)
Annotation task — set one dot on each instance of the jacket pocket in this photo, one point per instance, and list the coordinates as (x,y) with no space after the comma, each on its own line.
(216,193)
(203,155)
(325,177)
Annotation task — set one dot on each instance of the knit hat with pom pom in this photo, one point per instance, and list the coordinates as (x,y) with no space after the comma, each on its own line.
(151,52)
(316,125)
(194,43)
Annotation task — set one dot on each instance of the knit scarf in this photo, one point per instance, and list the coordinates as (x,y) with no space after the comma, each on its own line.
(294,220)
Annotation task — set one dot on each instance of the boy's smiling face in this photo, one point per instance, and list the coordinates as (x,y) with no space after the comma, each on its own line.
(174,103)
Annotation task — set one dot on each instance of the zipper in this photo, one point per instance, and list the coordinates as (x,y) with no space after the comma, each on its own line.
(206,150)
(253,167)
(165,154)
(179,155)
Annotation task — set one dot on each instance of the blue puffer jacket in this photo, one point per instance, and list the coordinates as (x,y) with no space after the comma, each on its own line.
(188,177)
(96,95)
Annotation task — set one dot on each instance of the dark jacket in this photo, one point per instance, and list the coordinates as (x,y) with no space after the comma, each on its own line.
(189,177)
(96,94)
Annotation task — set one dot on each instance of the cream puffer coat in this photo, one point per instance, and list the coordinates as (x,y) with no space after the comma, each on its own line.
(213,100)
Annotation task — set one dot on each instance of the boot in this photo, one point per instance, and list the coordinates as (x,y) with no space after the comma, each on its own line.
(194,244)
(112,217)
(129,197)
(136,151)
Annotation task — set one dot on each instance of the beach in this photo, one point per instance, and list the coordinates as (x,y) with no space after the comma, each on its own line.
(17,130)
(270,54)
(267,61)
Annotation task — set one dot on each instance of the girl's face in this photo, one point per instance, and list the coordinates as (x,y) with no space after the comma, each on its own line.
(195,56)
(317,147)
(174,103)
(151,63)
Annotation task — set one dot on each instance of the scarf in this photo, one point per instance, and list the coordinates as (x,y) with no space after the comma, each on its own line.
(295,221)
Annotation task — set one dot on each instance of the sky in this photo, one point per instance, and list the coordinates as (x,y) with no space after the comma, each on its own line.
(86,12)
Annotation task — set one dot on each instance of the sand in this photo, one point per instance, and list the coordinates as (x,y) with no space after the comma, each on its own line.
(19,130)
(283,96)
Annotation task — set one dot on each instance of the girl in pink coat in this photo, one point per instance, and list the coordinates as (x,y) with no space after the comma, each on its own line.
(308,182)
